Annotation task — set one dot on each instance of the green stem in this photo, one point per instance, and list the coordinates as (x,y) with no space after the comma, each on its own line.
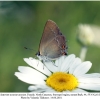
(83,53)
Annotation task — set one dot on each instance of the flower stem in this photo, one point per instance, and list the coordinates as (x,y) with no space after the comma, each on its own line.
(83,53)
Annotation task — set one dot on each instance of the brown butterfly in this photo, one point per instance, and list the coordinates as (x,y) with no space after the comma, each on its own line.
(52,44)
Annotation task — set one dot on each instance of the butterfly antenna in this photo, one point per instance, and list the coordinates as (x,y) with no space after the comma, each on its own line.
(28,48)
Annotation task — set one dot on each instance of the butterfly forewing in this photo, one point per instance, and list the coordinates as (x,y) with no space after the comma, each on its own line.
(53,43)
(50,31)
(55,49)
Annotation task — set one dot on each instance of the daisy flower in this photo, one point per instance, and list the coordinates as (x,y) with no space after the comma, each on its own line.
(66,74)
(88,34)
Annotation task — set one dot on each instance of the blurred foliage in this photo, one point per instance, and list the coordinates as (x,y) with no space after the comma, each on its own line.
(22,24)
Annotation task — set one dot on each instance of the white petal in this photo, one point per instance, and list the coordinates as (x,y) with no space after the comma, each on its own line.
(38,91)
(79,90)
(82,68)
(92,75)
(40,88)
(74,64)
(89,80)
(50,65)
(49,89)
(36,87)
(66,63)
(31,88)
(59,62)
(90,86)
(29,78)
(29,62)
(31,71)
(37,65)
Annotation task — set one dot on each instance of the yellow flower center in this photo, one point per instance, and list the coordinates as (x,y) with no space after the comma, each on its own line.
(61,81)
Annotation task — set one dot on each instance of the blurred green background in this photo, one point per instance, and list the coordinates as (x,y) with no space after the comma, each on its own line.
(22,24)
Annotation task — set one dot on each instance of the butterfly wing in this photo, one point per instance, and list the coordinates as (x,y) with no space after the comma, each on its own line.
(55,48)
(52,43)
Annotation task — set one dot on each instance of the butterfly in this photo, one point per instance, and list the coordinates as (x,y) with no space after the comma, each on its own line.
(52,44)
